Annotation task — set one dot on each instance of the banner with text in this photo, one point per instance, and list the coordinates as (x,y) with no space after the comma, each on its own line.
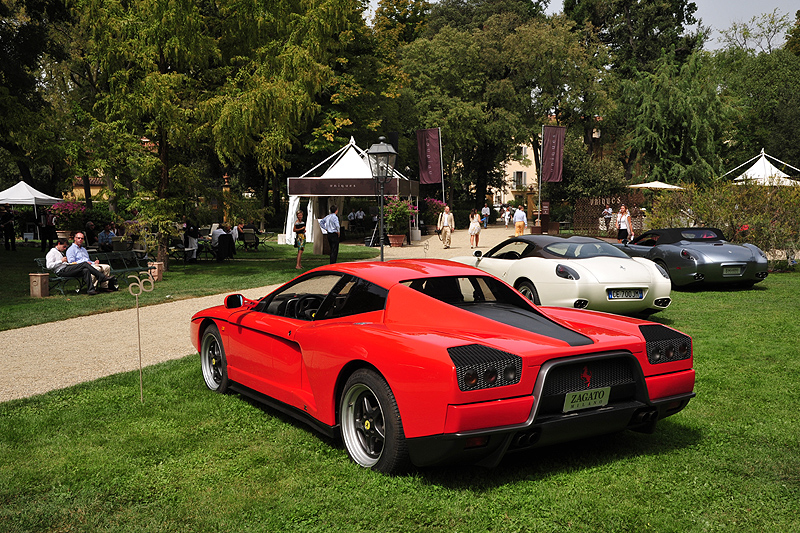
(553,153)
(430,164)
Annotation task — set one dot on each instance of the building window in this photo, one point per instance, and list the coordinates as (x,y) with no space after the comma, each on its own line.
(522,152)
(519,180)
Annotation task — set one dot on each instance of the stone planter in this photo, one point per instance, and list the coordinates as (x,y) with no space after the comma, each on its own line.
(62,234)
(396,241)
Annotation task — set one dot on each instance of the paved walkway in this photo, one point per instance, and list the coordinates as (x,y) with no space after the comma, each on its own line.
(41,358)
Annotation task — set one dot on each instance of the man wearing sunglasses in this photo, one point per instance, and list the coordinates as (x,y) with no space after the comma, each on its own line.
(77,254)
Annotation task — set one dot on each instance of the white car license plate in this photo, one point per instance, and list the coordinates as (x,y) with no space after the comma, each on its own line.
(625,294)
(587,398)
(731,271)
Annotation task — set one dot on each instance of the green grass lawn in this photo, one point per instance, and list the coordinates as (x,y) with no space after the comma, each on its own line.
(93,458)
(247,270)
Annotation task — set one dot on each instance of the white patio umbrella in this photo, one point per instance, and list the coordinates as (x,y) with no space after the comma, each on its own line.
(656,185)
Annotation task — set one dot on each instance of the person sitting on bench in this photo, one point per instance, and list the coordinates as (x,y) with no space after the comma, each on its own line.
(58,263)
(77,253)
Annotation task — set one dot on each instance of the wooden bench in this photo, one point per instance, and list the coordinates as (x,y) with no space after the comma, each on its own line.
(58,282)
(124,263)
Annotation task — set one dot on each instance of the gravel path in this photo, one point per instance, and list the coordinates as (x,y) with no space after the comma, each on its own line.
(35,357)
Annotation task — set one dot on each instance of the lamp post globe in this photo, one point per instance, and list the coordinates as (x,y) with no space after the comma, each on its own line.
(382,158)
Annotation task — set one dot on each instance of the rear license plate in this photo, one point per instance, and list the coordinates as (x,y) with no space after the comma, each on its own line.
(587,398)
(625,294)
(731,271)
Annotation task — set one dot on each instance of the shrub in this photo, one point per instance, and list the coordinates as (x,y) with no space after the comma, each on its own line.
(768,217)
(70,216)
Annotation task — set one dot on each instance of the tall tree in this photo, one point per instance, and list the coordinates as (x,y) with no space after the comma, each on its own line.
(765,90)
(638,34)
(792,43)
(637,31)
(681,121)
(560,72)
(458,82)
(26,38)
(762,33)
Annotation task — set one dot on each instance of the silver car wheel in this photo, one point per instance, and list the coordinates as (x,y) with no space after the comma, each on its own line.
(212,360)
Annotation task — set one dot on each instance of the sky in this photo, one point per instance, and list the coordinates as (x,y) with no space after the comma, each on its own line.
(721,14)
(717,14)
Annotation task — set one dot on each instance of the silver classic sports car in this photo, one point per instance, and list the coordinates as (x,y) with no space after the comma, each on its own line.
(700,255)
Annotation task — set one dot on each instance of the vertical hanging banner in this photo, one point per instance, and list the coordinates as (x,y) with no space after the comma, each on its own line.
(430,163)
(553,152)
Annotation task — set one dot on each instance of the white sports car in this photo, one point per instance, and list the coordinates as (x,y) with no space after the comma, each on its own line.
(580,272)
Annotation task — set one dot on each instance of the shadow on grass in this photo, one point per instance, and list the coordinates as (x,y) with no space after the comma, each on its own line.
(542,463)
(536,464)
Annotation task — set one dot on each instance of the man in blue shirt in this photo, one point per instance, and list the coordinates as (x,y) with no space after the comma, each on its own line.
(78,254)
(331,225)
(104,238)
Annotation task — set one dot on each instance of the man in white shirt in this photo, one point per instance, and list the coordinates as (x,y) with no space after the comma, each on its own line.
(77,253)
(59,264)
(215,235)
(485,212)
(520,222)
(360,218)
(331,225)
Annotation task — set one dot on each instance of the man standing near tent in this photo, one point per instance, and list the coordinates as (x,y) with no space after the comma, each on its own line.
(7,222)
(331,225)
(47,226)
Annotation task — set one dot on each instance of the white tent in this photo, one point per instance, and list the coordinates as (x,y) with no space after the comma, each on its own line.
(24,194)
(762,172)
(348,176)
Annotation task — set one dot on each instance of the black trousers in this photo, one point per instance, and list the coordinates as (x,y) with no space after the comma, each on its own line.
(333,241)
(83,269)
(10,240)
(48,237)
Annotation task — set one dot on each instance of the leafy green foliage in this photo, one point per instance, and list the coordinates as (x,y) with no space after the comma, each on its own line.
(765,216)
(792,43)
(584,176)
(680,120)
(765,88)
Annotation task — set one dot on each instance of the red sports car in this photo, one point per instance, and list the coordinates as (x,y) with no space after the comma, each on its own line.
(427,362)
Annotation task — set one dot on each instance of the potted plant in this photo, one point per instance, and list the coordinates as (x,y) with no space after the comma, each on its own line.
(397,214)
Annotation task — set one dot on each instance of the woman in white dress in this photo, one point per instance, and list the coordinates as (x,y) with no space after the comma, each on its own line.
(624,227)
(474,228)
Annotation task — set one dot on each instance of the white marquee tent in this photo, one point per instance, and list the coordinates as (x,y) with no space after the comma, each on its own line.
(762,172)
(348,176)
(24,194)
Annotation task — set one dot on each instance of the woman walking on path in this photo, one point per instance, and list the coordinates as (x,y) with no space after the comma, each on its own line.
(624,228)
(300,237)
(474,228)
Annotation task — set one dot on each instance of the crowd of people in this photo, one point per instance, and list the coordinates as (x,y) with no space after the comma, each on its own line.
(74,261)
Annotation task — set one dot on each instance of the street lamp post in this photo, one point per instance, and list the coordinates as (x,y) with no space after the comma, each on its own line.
(382,158)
